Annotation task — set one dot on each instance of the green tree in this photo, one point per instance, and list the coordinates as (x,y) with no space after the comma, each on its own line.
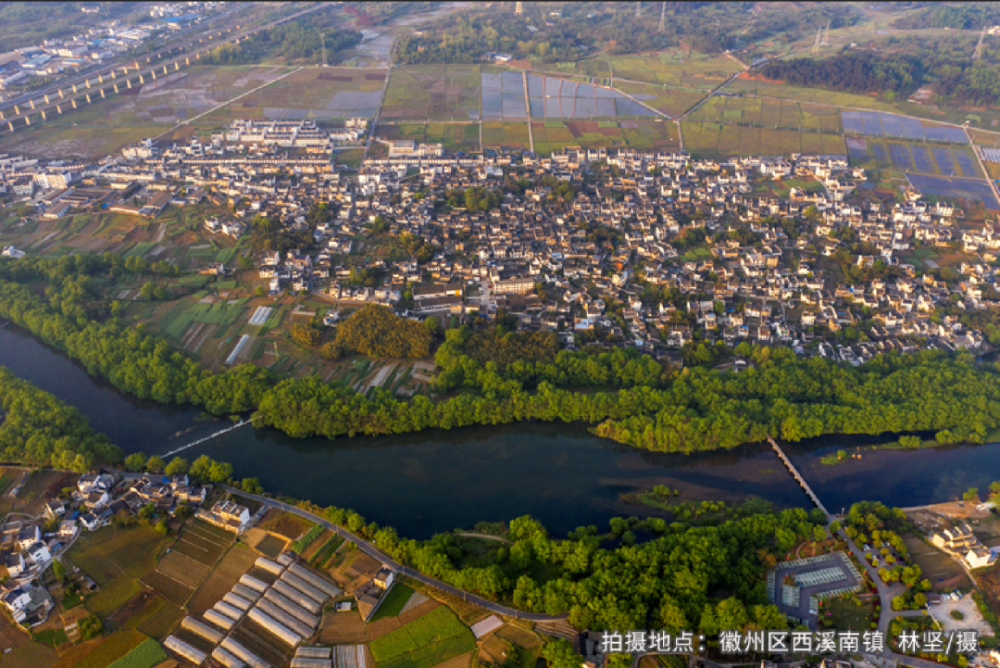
(155,464)
(135,462)
(177,466)
(559,653)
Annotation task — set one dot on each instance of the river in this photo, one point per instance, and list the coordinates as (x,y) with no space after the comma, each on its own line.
(438,480)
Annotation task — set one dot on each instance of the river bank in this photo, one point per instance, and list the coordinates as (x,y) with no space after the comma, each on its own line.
(437,480)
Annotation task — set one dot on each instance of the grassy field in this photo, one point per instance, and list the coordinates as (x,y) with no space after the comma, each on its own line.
(553,135)
(393,603)
(451,136)
(433,92)
(757,111)
(112,552)
(505,134)
(284,524)
(145,655)
(113,648)
(844,615)
(707,139)
(427,641)
(677,67)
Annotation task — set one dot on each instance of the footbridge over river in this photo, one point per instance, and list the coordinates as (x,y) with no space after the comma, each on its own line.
(798,476)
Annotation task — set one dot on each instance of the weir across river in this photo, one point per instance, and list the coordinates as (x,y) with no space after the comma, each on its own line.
(798,476)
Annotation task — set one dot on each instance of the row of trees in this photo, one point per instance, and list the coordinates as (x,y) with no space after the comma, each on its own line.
(637,400)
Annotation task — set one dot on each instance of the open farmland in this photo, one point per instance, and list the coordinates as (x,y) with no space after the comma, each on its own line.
(452,136)
(769,113)
(237,561)
(311,92)
(677,67)
(719,140)
(505,134)
(671,101)
(432,92)
(427,641)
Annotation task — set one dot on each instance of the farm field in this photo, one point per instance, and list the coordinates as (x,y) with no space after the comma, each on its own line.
(432,92)
(941,113)
(718,140)
(915,157)
(312,92)
(671,101)
(452,136)
(427,641)
(757,111)
(677,67)
(505,134)
(553,135)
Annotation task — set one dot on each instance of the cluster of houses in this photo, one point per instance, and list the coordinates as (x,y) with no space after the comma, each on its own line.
(772,286)
(962,544)
(294,134)
(649,249)
(27,549)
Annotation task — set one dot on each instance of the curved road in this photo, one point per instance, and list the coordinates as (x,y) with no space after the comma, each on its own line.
(375,553)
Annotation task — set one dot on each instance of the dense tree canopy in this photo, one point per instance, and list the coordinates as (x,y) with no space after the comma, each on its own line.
(378,332)
(39,430)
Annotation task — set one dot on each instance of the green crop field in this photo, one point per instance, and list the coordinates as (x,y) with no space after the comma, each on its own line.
(112,649)
(780,113)
(393,603)
(677,67)
(505,134)
(307,539)
(710,140)
(426,641)
(146,655)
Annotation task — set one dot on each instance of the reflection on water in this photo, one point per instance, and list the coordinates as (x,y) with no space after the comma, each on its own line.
(437,480)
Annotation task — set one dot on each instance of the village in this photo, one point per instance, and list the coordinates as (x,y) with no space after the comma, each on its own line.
(121,562)
(125,562)
(651,250)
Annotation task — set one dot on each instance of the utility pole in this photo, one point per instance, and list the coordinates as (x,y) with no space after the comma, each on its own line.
(519,8)
(323,37)
(979,46)
(663,15)
(819,34)
(638,9)
(826,37)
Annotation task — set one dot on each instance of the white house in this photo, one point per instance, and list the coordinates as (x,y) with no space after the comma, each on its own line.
(28,536)
(15,565)
(17,600)
(91,521)
(40,555)
(67,530)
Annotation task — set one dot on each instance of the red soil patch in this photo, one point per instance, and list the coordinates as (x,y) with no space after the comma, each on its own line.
(326,76)
(758,77)
(374,77)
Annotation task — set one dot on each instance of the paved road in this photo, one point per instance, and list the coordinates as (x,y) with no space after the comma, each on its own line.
(375,553)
